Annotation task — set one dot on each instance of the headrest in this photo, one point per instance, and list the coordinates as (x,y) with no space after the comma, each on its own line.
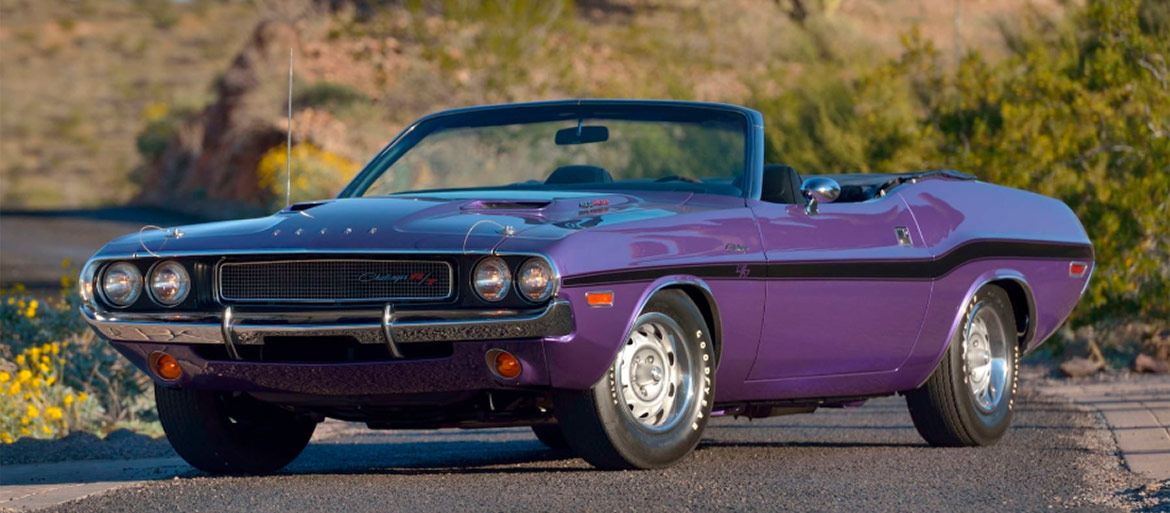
(781,185)
(579,174)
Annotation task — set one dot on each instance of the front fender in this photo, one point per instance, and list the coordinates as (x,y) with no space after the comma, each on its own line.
(580,360)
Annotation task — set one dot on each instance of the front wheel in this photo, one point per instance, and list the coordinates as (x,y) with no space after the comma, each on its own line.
(226,433)
(968,400)
(650,407)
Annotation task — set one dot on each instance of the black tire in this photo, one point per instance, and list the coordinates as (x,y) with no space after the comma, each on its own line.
(223,433)
(599,424)
(551,436)
(945,409)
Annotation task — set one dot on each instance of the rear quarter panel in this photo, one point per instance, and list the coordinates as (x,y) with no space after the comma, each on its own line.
(951,213)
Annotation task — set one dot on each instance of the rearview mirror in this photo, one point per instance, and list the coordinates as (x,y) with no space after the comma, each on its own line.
(582,135)
(819,189)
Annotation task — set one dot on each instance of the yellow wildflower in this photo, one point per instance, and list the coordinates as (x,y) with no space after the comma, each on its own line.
(20,304)
(61,361)
(14,389)
(36,383)
(5,376)
(11,301)
(35,353)
(24,420)
(46,348)
(56,348)
(20,359)
(65,263)
(25,431)
(82,397)
(45,359)
(44,368)
(33,412)
(49,382)
(53,412)
(33,304)
(5,437)
(68,399)
(46,430)
(66,281)
(24,375)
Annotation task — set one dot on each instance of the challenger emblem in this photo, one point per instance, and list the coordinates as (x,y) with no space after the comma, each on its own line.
(412,279)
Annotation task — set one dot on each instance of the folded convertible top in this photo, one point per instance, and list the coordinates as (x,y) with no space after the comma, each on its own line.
(863,186)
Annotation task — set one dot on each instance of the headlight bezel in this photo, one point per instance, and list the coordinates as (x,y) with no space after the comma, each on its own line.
(137,285)
(186,286)
(550,276)
(507,281)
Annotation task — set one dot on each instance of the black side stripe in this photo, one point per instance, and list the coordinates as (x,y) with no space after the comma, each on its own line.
(914,269)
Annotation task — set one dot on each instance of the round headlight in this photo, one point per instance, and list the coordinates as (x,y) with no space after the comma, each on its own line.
(492,279)
(535,279)
(122,283)
(169,283)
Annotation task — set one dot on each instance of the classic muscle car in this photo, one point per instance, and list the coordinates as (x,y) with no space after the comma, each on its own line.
(612,273)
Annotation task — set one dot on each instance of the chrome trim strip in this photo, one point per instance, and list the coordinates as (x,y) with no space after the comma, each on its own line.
(219,282)
(553,321)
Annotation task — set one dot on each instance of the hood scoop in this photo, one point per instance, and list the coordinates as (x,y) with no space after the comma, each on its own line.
(303,206)
(507,205)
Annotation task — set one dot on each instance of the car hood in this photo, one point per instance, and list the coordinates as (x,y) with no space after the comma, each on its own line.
(472,221)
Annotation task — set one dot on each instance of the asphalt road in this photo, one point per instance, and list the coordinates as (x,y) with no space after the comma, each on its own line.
(860,459)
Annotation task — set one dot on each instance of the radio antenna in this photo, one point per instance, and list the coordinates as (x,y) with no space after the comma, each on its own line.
(288,141)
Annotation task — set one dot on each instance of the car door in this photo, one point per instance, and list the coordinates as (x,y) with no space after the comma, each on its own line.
(841,295)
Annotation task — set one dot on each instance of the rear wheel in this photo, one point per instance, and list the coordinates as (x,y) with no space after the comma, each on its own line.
(226,433)
(968,400)
(650,408)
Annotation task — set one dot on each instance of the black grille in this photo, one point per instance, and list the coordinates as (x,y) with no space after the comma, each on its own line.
(334,280)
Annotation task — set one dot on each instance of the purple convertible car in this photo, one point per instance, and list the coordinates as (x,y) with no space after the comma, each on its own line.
(611,273)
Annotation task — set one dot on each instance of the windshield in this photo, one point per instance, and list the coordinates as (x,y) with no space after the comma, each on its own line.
(566,148)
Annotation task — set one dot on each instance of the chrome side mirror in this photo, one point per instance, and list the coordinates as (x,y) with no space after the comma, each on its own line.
(817,190)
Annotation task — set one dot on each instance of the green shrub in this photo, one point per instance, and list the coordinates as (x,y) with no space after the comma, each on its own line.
(1082,114)
(329,95)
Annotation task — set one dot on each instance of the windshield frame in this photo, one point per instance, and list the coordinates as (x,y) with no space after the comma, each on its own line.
(515,113)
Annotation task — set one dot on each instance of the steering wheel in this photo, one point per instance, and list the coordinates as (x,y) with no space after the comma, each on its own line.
(677,178)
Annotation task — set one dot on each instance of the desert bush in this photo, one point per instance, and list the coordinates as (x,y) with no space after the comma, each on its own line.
(328,94)
(57,376)
(36,402)
(316,173)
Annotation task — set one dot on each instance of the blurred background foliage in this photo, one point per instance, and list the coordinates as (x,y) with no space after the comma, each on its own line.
(182,104)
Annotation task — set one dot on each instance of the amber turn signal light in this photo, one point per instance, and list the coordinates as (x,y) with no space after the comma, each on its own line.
(506,364)
(166,367)
(599,299)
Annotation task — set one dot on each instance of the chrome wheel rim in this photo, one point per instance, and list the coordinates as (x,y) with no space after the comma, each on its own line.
(985,348)
(653,373)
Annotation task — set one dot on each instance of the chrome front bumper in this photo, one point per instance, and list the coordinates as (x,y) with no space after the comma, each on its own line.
(232,328)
